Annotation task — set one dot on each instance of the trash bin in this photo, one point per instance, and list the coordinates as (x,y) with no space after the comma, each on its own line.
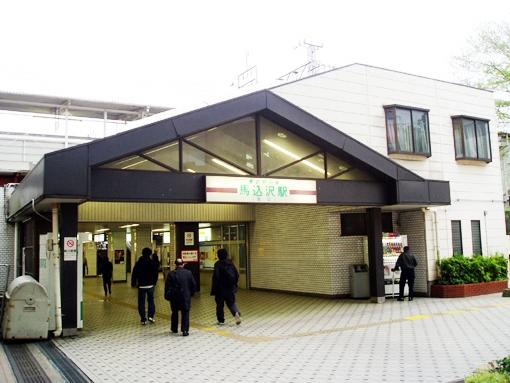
(26,310)
(360,284)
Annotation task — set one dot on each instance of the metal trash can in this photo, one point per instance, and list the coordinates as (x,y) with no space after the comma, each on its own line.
(26,310)
(360,284)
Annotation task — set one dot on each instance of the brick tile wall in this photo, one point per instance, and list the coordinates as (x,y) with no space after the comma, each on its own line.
(412,223)
(299,249)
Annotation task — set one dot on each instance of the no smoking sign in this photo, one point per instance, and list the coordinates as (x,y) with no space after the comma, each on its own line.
(70,243)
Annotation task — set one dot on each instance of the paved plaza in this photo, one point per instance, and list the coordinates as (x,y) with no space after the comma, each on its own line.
(290,338)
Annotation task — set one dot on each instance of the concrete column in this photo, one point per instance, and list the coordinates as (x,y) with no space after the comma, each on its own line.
(68,228)
(117,254)
(141,237)
(375,255)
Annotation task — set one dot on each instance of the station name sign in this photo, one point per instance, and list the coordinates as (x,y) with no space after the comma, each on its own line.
(260,190)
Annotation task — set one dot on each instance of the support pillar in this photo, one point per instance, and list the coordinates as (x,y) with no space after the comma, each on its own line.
(375,255)
(68,229)
(188,243)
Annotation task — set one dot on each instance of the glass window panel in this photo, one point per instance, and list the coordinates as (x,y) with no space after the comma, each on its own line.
(457,237)
(469,138)
(312,167)
(421,132)
(476,237)
(135,163)
(234,142)
(482,132)
(336,165)
(167,154)
(390,130)
(279,147)
(196,161)
(457,136)
(355,175)
(404,130)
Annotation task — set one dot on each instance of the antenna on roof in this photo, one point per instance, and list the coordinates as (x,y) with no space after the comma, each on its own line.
(247,77)
(312,66)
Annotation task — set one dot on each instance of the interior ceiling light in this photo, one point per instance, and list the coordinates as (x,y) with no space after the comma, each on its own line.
(229,167)
(101,230)
(135,164)
(126,226)
(190,170)
(281,135)
(164,147)
(126,160)
(293,156)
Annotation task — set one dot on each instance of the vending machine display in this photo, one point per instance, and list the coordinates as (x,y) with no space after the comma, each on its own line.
(393,246)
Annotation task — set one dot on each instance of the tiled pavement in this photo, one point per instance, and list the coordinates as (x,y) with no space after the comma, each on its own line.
(288,338)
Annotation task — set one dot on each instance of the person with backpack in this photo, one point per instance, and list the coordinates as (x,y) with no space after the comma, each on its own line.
(179,288)
(224,287)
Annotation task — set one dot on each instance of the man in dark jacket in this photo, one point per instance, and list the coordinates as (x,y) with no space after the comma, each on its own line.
(224,287)
(107,277)
(143,277)
(407,262)
(179,288)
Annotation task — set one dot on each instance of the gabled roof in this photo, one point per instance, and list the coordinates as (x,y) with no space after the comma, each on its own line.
(74,173)
(265,102)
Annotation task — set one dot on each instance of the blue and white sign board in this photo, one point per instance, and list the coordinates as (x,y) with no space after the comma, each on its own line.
(260,190)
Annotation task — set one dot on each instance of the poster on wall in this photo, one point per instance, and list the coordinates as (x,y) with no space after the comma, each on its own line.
(189,238)
(119,256)
(189,256)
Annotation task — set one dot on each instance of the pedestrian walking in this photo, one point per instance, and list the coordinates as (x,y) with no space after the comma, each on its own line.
(143,278)
(407,262)
(224,287)
(107,278)
(179,288)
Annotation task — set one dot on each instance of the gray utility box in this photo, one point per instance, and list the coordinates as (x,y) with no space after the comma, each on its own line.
(360,284)
(26,310)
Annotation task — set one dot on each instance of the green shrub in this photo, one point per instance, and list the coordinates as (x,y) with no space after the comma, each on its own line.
(459,270)
(502,366)
(488,377)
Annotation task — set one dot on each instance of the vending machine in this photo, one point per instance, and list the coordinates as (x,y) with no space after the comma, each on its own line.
(393,246)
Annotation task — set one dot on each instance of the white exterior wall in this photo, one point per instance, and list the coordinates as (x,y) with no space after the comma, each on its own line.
(352,99)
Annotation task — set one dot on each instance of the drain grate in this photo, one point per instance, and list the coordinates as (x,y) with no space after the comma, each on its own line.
(25,367)
(65,365)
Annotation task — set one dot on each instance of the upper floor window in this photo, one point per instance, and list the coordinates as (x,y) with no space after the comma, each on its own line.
(407,130)
(471,137)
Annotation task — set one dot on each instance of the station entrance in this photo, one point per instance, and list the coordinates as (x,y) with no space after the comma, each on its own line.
(257,175)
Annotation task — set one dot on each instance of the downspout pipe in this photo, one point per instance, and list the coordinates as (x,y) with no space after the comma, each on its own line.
(56,271)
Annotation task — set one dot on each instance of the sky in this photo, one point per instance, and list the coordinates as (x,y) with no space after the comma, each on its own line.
(173,53)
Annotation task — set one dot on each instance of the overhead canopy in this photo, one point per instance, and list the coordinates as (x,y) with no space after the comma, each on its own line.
(30,103)
(257,135)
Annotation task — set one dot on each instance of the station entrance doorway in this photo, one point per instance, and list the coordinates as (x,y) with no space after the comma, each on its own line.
(196,243)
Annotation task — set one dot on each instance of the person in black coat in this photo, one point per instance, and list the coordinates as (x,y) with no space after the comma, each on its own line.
(224,287)
(143,278)
(179,288)
(107,277)
(407,262)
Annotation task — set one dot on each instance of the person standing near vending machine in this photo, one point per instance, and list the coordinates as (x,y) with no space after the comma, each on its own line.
(407,262)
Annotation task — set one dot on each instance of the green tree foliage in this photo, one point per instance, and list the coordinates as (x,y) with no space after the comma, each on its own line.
(487,62)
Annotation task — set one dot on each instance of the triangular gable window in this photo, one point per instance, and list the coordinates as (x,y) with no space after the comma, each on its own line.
(279,147)
(233,142)
(135,163)
(167,154)
(231,148)
(195,160)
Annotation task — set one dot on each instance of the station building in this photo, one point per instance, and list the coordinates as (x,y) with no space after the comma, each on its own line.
(299,182)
